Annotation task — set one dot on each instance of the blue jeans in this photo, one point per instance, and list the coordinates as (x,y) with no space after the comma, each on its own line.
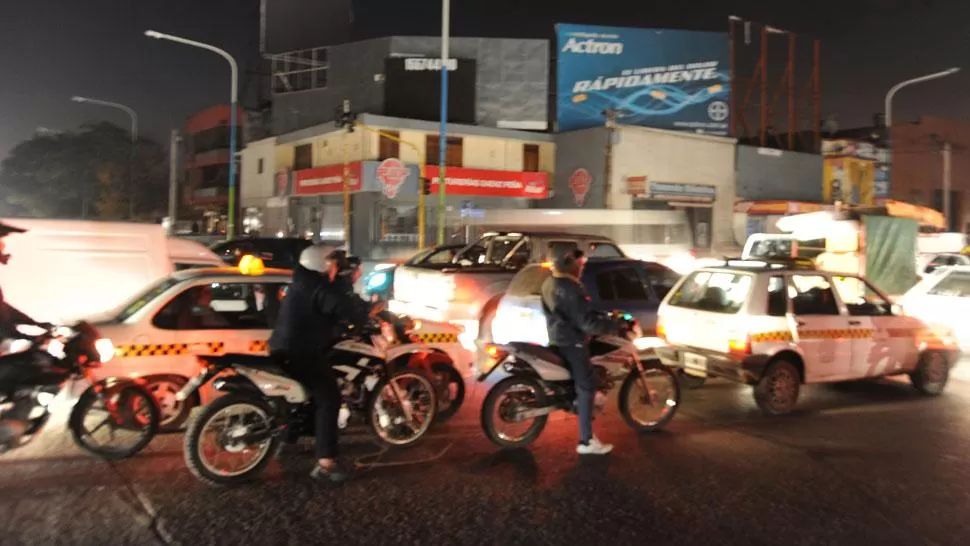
(582,369)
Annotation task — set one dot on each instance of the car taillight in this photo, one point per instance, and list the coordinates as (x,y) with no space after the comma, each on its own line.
(661,332)
(740,346)
(494,356)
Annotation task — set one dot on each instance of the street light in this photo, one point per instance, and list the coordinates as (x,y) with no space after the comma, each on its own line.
(134,141)
(234,98)
(442,136)
(900,85)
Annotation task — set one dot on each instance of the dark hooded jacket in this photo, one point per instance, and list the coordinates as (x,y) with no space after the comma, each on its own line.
(569,316)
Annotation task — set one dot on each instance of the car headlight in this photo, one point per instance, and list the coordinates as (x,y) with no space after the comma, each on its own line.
(378,280)
(105,349)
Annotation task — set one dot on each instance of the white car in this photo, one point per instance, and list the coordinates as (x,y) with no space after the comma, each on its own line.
(778,325)
(943,298)
(211,311)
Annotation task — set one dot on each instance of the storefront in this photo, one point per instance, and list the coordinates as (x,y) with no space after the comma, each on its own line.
(384,195)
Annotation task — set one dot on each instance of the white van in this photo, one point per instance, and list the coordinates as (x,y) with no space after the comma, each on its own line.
(62,270)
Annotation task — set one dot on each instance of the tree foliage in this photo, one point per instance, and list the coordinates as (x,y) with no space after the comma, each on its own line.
(84,173)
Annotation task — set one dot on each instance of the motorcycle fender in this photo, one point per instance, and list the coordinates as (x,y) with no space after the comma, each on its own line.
(236,383)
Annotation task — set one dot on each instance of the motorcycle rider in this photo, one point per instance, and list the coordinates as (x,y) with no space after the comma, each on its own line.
(571,321)
(306,329)
(10,316)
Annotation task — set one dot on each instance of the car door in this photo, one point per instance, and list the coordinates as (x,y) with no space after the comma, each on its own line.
(622,287)
(822,330)
(888,345)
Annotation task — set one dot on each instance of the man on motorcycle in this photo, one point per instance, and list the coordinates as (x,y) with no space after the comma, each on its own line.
(11,317)
(306,329)
(571,321)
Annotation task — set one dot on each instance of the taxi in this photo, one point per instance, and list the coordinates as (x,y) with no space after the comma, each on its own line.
(779,324)
(159,334)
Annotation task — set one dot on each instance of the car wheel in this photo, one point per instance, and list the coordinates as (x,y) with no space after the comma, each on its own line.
(777,391)
(931,374)
(174,413)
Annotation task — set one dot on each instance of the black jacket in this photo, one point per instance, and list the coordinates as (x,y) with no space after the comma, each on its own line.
(312,314)
(10,318)
(569,316)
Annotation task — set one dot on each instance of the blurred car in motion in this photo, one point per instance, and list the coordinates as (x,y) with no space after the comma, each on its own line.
(776,325)
(275,252)
(624,284)
(936,261)
(380,282)
(942,298)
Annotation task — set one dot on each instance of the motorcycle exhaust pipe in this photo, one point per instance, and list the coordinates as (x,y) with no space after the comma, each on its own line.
(536,412)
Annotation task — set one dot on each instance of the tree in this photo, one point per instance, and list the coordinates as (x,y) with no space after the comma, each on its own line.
(84,173)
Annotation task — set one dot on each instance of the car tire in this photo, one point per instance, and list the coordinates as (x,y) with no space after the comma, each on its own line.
(174,414)
(931,374)
(689,381)
(777,391)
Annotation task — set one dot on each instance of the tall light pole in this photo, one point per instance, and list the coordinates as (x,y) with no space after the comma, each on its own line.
(134,143)
(442,136)
(234,99)
(900,85)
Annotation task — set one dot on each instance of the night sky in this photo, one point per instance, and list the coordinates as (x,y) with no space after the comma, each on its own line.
(53,49)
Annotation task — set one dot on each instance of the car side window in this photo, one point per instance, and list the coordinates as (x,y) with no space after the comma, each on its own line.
(861,299)
(219,306)
(661,280)
(555,249)
(442,256)
(620,284)
(813,295)
(604,250)
(777,297)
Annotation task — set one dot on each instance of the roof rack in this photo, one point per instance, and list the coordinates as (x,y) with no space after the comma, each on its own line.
(769,263)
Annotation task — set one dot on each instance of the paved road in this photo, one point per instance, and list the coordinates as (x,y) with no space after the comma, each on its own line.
(859,464)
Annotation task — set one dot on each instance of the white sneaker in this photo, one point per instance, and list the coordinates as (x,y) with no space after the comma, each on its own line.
(594,447)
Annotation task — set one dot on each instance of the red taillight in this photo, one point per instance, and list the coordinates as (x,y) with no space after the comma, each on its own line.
(740,346)
(661,332)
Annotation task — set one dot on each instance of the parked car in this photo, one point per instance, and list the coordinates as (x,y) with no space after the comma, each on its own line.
(778,325)
(379,283)
(942,298)
(275,252)
(624,284)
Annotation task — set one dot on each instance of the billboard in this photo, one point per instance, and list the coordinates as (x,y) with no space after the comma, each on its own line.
(412,89)
(668,79)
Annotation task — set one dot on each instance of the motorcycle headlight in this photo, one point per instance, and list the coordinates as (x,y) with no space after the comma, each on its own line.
(378,280)
(105,349)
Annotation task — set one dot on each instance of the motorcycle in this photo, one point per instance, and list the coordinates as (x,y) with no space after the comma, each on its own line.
(262,405)
(540,383)
(51,359)
(436,364)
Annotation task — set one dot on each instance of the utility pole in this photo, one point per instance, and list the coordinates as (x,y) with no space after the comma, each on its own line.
(346,119)
(610,114)
(947,149)
(173,180)
(442,132)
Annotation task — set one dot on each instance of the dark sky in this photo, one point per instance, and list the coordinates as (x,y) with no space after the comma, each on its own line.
(52,49)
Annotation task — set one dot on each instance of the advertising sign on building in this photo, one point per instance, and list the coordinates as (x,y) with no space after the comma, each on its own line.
(684,192)
(487,183)
(329,179)
(391,174)
(636,185)
(580,182)
(668,79)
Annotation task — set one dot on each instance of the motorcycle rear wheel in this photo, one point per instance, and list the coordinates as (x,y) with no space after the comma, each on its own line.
(202,466)
(136,409)
(494,403)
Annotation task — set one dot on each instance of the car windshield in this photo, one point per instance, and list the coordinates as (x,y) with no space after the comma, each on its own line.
(135,304)
(500,247)
(955,284)
(715,291)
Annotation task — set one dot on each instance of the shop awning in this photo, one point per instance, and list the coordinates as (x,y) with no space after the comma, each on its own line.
(779,207)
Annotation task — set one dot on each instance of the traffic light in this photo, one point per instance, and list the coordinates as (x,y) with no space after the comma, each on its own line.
(344,118)
(425,186)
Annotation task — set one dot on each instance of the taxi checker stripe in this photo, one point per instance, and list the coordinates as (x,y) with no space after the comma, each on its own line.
(436,337)
(846,333)
(170,349)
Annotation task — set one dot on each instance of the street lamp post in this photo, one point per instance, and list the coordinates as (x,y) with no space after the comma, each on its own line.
(234,99)
(134,143)
(442,133)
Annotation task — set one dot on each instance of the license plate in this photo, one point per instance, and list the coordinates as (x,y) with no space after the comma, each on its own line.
(189,388)
(695,364)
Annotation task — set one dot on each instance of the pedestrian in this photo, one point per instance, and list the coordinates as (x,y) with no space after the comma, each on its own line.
(571,321)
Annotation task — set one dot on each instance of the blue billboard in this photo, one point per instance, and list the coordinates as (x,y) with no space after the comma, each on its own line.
(668,79)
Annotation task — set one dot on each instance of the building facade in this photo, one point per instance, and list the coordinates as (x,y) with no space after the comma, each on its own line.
(205,146)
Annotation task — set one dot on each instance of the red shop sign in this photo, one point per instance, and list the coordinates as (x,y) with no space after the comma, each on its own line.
(329,179)
(486,183)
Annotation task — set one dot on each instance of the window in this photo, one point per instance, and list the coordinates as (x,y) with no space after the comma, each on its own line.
(303,157)
(398,224)
(660,279)
(860,298)
(300,70)
(387,147)
(528,282)
(812,295)
(259,166)
(453,153)
(604,250)
(717,291)
(955,284)
(620,284)
(136,303)
(555,249)
(530,158)
(441,256)
(777,297)
(217,306)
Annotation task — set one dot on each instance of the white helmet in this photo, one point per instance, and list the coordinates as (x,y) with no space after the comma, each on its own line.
(317,258)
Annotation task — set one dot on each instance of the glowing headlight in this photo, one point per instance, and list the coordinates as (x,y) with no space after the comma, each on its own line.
(105,349)
(377,280)
(647,343)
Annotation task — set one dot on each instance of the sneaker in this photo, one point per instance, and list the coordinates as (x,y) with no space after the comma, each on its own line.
(594,447)
(335,474)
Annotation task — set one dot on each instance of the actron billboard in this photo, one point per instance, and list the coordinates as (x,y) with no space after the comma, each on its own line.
(668,79)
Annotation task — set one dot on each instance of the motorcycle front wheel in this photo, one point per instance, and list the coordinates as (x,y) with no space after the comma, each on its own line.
(402,408)
(649,403)
(500,410)
(217,450)
(114,422)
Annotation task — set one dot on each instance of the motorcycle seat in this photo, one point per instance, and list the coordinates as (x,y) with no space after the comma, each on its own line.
(538,351)
(267,364)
